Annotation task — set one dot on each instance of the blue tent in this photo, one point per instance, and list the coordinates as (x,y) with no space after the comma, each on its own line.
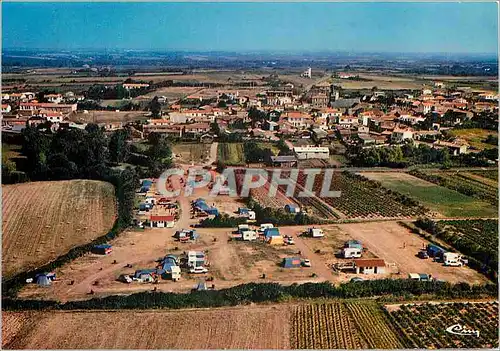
(147,183)
(292,209)
(435,251)
(355,244)
(203,206)
(291,262)
(269,232)
(42,280)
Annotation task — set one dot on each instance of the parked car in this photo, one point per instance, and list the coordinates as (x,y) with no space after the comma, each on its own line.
(306,263)
(197,270)
(423,254)
(357,279)
(290,241)
(125,278)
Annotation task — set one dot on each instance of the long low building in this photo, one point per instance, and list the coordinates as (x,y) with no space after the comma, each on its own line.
(65,108)
(305,153)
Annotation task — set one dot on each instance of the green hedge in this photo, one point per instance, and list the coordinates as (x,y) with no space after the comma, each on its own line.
(264,292)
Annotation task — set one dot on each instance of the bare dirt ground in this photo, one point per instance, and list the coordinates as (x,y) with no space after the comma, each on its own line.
(43,220)
(108,116)
(256,327)
(397,245)
(235,262)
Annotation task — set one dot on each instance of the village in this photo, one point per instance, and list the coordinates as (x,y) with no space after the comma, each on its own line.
(310,126)
(322,117)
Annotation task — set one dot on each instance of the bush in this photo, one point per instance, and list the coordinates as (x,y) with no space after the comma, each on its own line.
(264,292)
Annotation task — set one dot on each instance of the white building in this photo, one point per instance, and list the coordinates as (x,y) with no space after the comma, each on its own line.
(369,266)
(304,153)
(6,108)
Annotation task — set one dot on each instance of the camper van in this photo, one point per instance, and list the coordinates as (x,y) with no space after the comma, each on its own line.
(249,235)
(242,228)
(265,226)
(315,233)
(351,252)
(452,259)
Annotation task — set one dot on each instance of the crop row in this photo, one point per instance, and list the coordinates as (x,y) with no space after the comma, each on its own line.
(490,173)
(363,198)
(425,325)
(324,326)
(463,183)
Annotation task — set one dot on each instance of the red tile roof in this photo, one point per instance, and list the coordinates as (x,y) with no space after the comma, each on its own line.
(370,262)
(162,218)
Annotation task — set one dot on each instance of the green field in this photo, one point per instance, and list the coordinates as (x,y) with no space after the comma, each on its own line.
(475,137)
(447,202)
(231,154)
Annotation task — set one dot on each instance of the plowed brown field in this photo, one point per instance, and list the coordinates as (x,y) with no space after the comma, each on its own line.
(43,220)
(261,327)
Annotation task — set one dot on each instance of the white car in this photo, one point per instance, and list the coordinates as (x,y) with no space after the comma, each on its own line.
(198,270)
(290,241)
(306,263)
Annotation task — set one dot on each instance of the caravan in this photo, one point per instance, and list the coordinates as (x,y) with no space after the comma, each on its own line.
(265,226)
(452,259)
(352,252)
(249,235)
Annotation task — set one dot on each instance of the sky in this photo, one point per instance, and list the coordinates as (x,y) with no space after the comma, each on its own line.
(297,27)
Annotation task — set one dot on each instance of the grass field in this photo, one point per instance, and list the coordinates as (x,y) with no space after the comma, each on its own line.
(475,137)
(448,203)
(231,154)
(259,327)
(464,182)
(43,220)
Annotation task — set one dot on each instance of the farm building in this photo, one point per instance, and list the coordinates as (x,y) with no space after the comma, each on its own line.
(284,161)
(369,266)
(292,209)
(291,262)
(201,205)
(103,249)
(195,258)
(353,244)
(162,221)
(311,152)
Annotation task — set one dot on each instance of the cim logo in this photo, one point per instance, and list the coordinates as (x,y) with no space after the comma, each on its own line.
(458,329)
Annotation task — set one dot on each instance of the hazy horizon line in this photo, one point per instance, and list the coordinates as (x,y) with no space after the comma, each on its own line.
(253,51)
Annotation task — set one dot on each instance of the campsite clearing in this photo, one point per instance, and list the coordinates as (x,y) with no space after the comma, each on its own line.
(43,220)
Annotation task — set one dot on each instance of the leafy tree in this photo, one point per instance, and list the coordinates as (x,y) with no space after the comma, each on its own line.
(118,146)
(155,107)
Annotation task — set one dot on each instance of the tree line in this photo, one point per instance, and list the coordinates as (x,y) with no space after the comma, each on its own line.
(264,292)
(401,156)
